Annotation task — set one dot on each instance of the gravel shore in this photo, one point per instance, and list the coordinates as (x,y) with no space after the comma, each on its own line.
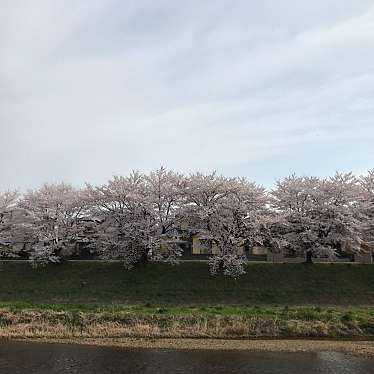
(300,345)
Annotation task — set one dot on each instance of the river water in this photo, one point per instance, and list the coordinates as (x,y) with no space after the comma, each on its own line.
(40,358)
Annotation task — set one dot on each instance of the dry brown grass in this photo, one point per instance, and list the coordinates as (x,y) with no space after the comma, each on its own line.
(63,324)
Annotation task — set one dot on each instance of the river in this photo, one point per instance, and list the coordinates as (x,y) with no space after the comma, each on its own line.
(43,358)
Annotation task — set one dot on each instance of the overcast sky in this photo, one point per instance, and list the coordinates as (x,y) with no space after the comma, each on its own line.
(261,88)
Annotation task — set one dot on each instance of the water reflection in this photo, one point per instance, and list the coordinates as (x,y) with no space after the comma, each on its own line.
(30,358)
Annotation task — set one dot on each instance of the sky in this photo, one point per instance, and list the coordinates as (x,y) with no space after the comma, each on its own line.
(262,89)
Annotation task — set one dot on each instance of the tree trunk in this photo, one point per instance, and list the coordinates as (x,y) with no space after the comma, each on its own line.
(143,258)
(221,269)
(308,257)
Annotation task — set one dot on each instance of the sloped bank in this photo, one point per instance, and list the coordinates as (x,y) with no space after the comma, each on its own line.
(100,282)
(262,323)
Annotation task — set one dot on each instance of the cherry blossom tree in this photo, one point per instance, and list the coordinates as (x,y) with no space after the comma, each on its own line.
(124,224)
(317,217)
(340,220)
(367,205)
(8,204)
(138,216)
(165,200)
(229,210)
(293,201)
(55,213)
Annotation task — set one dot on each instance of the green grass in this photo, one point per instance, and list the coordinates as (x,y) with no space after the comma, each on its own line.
(87,285)
(159,300)
(304,313)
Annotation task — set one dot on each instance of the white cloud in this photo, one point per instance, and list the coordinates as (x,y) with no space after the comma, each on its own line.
(88,89)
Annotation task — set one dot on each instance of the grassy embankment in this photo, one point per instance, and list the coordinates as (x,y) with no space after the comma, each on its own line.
(102,300)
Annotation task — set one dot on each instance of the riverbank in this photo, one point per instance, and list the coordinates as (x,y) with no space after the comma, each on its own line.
(101,300)
(285,345)
(90,283)
(203,322)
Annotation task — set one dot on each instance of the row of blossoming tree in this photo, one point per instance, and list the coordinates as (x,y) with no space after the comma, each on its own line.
(138,217)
